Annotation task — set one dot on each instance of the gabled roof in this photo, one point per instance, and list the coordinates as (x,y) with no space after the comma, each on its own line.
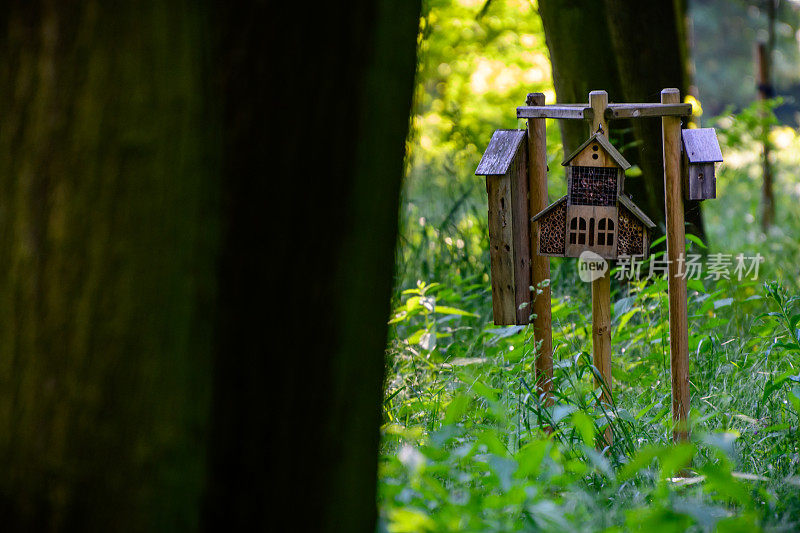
(547,209)
(500,153)
(701,145)
(638,213)
(607,146)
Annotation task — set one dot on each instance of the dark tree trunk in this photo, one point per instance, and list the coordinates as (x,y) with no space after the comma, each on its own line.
(186,185)
(639,48)
(312,181)
(108,240)
(579,65)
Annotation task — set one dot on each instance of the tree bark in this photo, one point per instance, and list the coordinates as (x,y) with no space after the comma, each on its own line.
(312,181)
(187,186)
(576,32)
(107,278)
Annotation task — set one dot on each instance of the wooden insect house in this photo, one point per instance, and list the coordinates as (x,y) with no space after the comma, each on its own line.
(595,215)
(700,152)
(506,169)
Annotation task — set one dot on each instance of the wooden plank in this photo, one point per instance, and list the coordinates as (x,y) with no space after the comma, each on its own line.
(618,111)
(700,181)
(501,240)
(522,234)
(540,265)
(555,111)
(601,289)
(676,249)
(500,153)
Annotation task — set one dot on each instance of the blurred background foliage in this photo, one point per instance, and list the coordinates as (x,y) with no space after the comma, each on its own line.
(463,446)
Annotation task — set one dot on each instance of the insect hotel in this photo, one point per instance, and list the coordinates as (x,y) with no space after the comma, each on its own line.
(595,215)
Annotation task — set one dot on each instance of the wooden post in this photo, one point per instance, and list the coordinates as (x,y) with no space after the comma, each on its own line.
(540,264)
(601,287)
(765,92)
(676,249)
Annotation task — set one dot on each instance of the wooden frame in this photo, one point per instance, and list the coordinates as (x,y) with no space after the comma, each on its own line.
(599,112)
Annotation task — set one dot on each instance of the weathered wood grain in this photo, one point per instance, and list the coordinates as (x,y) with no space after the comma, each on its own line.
(540,265)
(619,111)
(613,111)
(601,289)
(580,112)
(676,249)
(700,182)
(501,241)
(701,145)
(499,155)
(521,230)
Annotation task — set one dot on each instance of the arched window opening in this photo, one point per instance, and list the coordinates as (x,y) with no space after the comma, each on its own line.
(605,232)
(577,230)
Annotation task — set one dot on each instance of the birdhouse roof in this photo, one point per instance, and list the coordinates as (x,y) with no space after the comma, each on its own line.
(549,208)
(607,146)
(701,145)
(500,153)
(638,213)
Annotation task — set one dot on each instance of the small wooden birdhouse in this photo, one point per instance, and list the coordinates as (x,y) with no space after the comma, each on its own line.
(504,163)
(594,215)
(700,152)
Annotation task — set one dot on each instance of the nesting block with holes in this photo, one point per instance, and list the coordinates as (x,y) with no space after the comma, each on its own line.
(595,215)
(700,152)
(504,163)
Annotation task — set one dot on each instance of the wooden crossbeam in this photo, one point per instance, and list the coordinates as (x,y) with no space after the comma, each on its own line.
(613,111)
(647,110)
(555,111)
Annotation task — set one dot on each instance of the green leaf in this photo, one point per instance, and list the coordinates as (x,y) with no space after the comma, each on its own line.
(445,310)
(410,520)
(695,239)
(456,409)
(676,458)
(416,336)
(720,481)
(775,385)
(696,285)
(724,302)
(793,322)
(584,425)
(560,412)
(412,304)
(625,318)
(643,459)
(658,241)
